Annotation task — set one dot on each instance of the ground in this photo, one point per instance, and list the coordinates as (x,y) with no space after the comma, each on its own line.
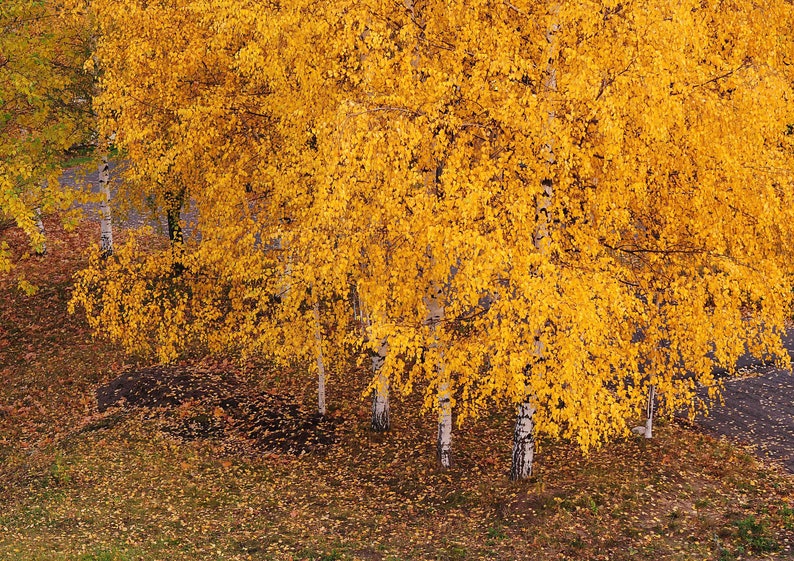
(757,408)
(104,456)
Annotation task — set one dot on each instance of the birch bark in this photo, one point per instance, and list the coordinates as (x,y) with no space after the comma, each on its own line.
(444,442)
(380,396)
(523,443)
(381,421)
(523,435)
(435,313)
(41,249)
(649,412)
(106,225)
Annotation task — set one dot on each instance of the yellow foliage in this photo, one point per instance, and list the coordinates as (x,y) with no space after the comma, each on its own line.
(26,287)
(341,150)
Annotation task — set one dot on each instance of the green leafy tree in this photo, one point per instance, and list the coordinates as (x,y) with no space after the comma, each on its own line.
(45,108)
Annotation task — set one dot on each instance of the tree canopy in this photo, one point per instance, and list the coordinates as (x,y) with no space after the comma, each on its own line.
(392,154)
(45,107)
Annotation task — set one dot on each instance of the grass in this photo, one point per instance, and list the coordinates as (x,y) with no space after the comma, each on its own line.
(85,154)
(79,485)
(754,535)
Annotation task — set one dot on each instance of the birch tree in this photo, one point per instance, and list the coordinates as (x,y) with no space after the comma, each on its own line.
(625,146)
(381,414)
(523,435)
(649,192)
(106,224)
(435,314)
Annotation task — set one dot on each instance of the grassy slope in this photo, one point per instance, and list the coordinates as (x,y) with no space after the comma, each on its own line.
(76,485)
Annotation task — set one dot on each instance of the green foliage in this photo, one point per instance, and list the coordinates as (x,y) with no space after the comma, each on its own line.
(495,534)
(753,534)
(59,472)
(452,552)
(45,96)
(787,512)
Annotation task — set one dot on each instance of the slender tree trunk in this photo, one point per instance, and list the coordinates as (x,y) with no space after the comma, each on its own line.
(649,411)
(355,298)
(381,420)
(106,225)
(380,395)
(523,443)
(318,339)
(41,248)
(523,436)
(173,215)
(174,227)
(435,313)
(444,442)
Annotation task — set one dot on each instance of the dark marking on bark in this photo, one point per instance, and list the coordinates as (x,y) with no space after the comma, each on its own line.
(444,453)
(380,415)
(523,446)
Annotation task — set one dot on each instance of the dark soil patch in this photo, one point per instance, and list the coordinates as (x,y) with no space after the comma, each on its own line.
(160,386)
(200,403)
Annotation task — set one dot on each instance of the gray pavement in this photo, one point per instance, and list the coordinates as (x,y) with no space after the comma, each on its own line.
(757,409)
(88,178)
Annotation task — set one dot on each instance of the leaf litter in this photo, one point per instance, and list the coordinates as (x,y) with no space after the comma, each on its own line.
(212,401)
(79,484)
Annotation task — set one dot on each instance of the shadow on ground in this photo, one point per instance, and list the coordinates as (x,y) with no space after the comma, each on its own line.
(211,403)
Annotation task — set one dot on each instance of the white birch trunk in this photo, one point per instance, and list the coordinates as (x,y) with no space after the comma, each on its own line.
(106,226)
(380,395)
(444,442)
(649,412)
(381,412)
(523,443)
(523,436)
(647,429)
(41,248)
(318,339)
(435,313)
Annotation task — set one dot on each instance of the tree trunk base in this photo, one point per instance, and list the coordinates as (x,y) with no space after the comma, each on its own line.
(523,443)
(444,443)
(380,412)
